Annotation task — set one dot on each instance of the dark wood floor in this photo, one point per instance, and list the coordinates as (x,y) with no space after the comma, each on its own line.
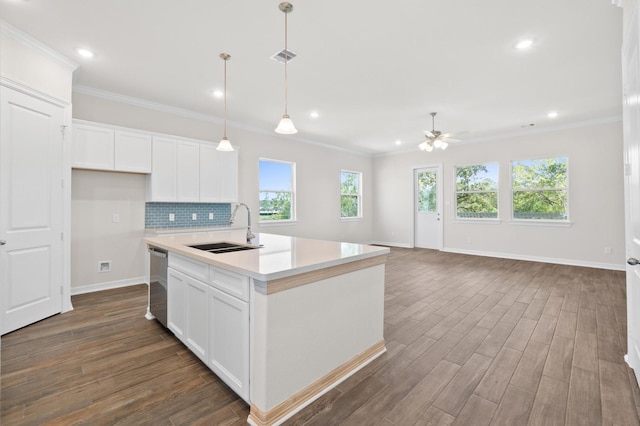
(470,341)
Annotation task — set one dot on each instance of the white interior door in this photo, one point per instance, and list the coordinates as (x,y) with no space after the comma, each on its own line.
(427,206)
(631,82)
(31,219)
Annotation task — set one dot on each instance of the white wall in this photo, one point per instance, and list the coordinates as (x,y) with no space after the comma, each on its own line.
(596,198)
(95,197)
(318,178)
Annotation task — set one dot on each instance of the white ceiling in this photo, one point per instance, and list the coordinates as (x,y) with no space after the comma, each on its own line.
(373,70)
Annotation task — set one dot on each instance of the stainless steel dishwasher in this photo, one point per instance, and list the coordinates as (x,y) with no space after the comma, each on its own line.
(159,263)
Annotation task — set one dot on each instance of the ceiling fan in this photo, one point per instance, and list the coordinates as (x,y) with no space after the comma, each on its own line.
(435,138)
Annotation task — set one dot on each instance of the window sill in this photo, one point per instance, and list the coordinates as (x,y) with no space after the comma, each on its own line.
(278,223)
(475,221)
(351,219)
(534,222)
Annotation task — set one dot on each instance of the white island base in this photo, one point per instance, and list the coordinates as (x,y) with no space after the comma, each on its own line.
(285,323)
(309,338)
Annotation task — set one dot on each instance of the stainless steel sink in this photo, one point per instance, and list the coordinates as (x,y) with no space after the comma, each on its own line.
(223,247)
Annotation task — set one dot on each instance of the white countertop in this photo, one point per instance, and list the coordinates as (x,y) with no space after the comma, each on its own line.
(280,256)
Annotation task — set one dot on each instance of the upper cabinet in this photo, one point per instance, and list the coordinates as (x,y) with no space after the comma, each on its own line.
(103,148)
(192,171)
(180,170)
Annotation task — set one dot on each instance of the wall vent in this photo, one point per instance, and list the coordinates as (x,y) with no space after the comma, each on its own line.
(282,56)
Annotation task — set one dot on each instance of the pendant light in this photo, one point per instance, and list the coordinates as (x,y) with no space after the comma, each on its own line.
(286,126)
(224,144)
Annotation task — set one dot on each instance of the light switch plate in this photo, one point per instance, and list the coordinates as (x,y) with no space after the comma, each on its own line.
(194,216)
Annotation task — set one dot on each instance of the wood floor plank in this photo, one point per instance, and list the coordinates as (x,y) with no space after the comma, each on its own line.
(617,399)
(514,408)
(587,320)
(549,406)
(545,329)
(585,355)
(529,370)
(559,359)
(496,338)
(455,395)
(583,405)
(477,411)
(519,337)
(496,380)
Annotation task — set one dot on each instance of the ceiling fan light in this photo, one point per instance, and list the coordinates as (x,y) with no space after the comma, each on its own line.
(437,143)
(224,145)
(429,148)
(286,127)
(444,146)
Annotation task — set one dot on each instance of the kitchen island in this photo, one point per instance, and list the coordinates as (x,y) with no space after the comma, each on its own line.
(281,324)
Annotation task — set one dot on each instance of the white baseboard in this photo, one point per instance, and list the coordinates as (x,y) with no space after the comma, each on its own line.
(108,285)
(385,243)
(569,262)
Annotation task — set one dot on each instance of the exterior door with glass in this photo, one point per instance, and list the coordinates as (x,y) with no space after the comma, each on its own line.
(428,207)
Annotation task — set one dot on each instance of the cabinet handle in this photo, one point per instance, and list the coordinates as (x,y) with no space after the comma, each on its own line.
(633,261)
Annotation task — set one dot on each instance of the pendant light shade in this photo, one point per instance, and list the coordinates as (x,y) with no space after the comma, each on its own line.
(286,126)
(224,144)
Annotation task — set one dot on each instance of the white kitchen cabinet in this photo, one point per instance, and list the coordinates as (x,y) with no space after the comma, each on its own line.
(132,152)
(188,171)
(176,303)
(162,181)
(103,148)
(218,175)
(187,311)
(93,147)
(229,340)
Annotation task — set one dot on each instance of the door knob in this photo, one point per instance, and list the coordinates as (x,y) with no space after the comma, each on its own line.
(633,261)
(2,242)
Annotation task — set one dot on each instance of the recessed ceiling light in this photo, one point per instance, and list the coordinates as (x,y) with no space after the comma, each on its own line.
(218,94)
(85,53)
(524,44)
(314,114)
(398,142)
(553,114)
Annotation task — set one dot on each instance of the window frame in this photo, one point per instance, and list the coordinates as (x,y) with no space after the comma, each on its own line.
(360,214)
(546,222)
(292,218)
(457,218)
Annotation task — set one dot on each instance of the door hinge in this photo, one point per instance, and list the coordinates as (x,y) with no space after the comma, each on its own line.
(63,129)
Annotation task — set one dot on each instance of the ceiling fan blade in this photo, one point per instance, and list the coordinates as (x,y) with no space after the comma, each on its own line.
(429,134)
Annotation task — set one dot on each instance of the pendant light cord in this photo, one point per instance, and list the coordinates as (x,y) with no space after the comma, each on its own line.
(225,98)
(286,60)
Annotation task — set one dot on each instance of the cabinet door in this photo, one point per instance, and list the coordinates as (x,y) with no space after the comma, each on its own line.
(218,175)
(132,152)
(208,174)
(197,334)
(176,303)
(188,171)
(229,340)
(163,173)
(92,147)
(226,167)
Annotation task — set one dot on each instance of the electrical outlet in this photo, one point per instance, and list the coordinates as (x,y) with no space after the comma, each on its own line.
(172,217)
(104,266)
(115,218)
(194,216)
(210,216)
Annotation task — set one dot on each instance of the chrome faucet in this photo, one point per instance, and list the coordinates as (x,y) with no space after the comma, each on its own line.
(232,219)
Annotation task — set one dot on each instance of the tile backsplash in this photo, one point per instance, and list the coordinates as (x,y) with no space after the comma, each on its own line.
(157,215)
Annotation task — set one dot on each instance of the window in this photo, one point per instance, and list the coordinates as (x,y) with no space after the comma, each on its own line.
(427,196)
(540,189)
(277,190)
(350,194)
(477,191)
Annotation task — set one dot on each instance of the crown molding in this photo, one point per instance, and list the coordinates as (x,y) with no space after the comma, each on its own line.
(142,103)
(19,87)
(518,134)
(24,38)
